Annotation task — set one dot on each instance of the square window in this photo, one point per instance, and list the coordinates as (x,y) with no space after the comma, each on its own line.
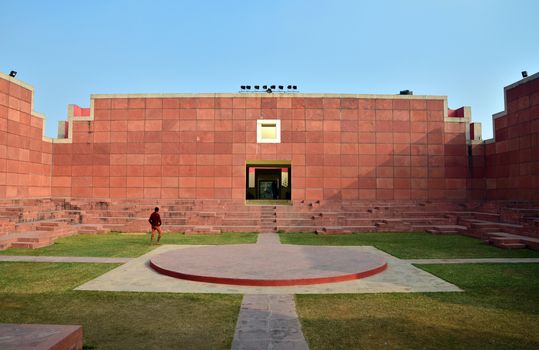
(268,131)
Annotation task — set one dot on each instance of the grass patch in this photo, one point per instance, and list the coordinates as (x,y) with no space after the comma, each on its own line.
(37,278)
(498,310)
(413,245)
(121,245)
(34,293)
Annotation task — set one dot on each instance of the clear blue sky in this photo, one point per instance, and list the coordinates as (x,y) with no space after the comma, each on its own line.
(465,49)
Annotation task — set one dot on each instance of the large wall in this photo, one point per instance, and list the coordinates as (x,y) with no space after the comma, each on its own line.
(511,159)
(25,156)
(347,147)
(341,147)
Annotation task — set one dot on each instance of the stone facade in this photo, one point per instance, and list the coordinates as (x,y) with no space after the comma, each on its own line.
(197,147)
(347,163)
(507,167)
(25,157)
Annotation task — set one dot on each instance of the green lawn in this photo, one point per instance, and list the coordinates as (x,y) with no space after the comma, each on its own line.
(121,245)
(498,310)
(413,245)
(42,293)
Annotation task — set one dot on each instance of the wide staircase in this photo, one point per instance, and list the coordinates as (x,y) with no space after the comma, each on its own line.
(511,226)
(34,223)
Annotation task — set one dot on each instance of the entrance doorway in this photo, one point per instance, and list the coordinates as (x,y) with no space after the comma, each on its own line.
(268,182)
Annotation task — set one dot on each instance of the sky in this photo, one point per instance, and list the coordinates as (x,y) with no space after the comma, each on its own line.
(467,50)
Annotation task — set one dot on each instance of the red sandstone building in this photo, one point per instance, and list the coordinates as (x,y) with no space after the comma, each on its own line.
(323,162)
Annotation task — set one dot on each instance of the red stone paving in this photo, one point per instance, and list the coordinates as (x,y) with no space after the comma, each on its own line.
(282,265)
(40,336)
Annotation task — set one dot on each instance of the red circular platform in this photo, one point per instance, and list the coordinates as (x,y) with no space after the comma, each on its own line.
(262,265)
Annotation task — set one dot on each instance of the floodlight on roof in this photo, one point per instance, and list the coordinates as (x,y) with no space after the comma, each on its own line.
(12,74)
(257,87)
(406,92)
(281,87)
(269,91)
(524,74)
(248,87)
(242,87)
(294,87)
(272,87)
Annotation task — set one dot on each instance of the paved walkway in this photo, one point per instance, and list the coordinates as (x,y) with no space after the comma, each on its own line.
(268,321)
(71,259)
(267,240)
(138,276)
(473,261)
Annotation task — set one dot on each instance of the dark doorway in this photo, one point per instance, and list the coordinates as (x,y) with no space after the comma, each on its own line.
(268,182)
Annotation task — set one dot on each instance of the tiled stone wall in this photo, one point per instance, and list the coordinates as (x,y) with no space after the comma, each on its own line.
(341,147)
(512,158)
(346,147)
(25,158)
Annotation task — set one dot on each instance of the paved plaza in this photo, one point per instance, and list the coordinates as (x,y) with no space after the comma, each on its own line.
(399,277)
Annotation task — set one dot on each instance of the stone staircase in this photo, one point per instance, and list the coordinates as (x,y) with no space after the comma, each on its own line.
(35,223)
(508,228)
(268,219)
(38,222)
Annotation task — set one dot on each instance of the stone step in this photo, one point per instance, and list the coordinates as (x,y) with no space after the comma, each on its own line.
(503,240)
(30,245)
(202,230)
(510,245)
(486,216)
(46,228)
(294,228)
(440,229)
(90,229)
(240,222)
(247,228)
(333,230)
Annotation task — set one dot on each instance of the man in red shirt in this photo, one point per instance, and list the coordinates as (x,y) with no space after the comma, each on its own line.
(155,221)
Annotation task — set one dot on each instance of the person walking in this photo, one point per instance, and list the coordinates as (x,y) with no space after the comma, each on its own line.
(155,221)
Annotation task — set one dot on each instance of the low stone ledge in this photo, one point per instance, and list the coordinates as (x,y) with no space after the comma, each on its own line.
(40,337)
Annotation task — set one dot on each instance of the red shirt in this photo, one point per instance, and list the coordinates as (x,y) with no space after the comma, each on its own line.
(155,219)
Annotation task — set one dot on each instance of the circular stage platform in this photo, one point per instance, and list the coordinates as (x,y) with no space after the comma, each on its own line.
(262,265)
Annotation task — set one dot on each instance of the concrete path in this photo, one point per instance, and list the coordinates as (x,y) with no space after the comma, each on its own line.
(268,322)
(268,239)
(473,261)
(66,259)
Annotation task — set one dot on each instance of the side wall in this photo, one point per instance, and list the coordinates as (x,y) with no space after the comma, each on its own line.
(350,148)
(512,158)
(25,158)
